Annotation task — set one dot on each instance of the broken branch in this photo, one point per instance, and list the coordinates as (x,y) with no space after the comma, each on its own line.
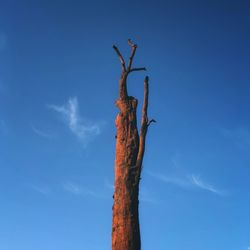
(144,127)
(133,46)
(121,58)
(138,69)
(152,120)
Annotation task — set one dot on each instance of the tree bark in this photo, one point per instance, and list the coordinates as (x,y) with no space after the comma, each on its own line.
(130,147)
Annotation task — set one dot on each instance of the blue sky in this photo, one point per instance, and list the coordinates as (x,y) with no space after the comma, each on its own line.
(58,83)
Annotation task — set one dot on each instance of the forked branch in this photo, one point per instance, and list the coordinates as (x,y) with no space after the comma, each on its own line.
(130,62)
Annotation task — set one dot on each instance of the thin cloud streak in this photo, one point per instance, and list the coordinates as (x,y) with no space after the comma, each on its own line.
(196,180)
(82,129)
(41,189)
(40,132)
(181,182)
(79,190)
(187,182)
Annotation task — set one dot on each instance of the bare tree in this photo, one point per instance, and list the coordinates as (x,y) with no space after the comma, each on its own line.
(130,147)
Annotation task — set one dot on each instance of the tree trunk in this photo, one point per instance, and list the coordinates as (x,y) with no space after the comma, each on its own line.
(129,155)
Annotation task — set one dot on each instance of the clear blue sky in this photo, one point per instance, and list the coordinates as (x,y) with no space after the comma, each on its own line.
(58,83)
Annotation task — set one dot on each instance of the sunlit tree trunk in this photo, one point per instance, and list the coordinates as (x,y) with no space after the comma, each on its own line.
(130,147)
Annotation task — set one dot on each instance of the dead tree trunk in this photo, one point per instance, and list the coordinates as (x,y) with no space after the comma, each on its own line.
(130,147)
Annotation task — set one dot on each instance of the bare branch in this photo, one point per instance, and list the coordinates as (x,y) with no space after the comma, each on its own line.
(144,126)
(133,46)
(120,57)
(152,120)
(131,43)
(145,102)
(138,69)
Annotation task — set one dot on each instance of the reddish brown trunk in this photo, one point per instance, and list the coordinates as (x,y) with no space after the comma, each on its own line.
(129,155)
(126,233)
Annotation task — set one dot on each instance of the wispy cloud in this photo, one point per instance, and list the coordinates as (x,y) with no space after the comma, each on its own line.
(40,189)
(174,180)
(40,132)
(77,189)
(198,182)
(81,128)
(175,161)
(187,182)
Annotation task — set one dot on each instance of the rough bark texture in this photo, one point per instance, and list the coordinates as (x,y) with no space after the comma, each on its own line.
(130,147)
